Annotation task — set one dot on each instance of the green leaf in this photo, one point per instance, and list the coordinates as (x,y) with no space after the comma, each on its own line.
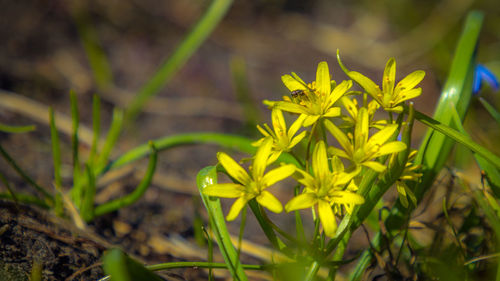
(206,177)
(458,137)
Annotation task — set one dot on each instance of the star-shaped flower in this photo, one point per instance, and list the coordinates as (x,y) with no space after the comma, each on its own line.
(314,100)
(389,97)
(360,149)
(283,141)
(253,185)
(325,188)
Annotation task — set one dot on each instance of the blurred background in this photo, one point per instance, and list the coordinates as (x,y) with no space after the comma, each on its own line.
(112,48)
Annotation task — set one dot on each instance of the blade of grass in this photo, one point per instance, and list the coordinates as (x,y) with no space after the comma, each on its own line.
(242,90)
(87,210)
(183,52)
(491,110)
(25,198)
(16,129)
(206,177)
(96,56)
(76,191)
(456,136)
(111,138)
(96,128)
(9,190)
(56,158)
(137,193)
(235,142)
(25,176)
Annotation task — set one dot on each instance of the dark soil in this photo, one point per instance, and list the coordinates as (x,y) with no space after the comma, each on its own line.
(32,237)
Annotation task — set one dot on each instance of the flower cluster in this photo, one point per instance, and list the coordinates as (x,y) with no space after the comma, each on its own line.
(343,137)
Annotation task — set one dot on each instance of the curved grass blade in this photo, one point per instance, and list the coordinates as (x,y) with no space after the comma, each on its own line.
(137,193)
(206,177)
(235,142)
(182,53)
(16,129)
(458,137)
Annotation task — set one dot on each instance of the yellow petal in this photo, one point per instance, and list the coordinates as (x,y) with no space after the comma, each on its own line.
(411,80)
(327,218)
(297,139)
(382,136)
(361,129)
(338,152)
(332,112)
(320,161)
(292,84)
(340,136)
(389,79)
(337,164)
(368,85)
(278,174)
(323,78)
(304,178)
(225,190)
(406,95)
(279,124)
(338,92)
(268,200)
(376,166)
(236,208)
(349,105)
(233,168)
(310,119)
(301,201)
(290,107)
(391,147)
(296,126)
(260,161)
(346,197)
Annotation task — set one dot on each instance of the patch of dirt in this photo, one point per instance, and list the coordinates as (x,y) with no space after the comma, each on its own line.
(31,237)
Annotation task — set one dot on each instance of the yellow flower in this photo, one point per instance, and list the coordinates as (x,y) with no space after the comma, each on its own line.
(352,108)
(283,141)
(251,185)
(360,149)
(314,100)
(325,188)
(389,97)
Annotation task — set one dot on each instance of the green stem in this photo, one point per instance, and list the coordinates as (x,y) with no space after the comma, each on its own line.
(171,265)
(313,270)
